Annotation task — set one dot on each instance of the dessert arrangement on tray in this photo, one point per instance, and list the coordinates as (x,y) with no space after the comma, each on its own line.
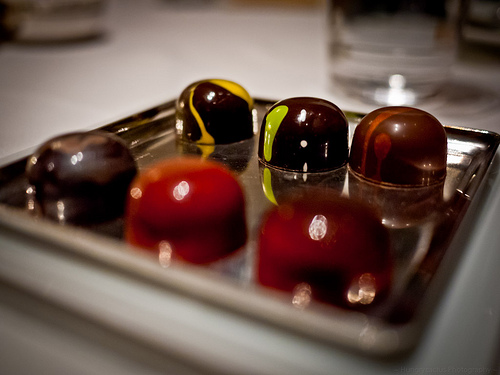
(337,213)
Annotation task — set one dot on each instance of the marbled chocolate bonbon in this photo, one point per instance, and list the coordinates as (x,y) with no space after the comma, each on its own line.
(81,177)
(328,247)
(214,111)
(186,208)
(304,134)
(399,145)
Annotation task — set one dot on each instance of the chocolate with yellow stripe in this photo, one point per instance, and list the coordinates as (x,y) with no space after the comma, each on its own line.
(214,111)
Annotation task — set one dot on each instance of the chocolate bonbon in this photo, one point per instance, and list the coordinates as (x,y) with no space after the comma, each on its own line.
(81,178)
(186,208)
(401,146)
(328,247)
(304,134)
(214,111)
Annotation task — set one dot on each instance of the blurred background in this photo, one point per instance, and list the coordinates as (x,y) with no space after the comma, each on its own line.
(72,64)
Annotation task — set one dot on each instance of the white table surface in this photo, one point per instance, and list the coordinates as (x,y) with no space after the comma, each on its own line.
(151,50)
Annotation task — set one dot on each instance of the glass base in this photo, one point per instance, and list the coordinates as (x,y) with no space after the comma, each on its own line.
(395,90)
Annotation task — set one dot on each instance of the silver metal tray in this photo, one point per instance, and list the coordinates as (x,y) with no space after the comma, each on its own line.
(422,223)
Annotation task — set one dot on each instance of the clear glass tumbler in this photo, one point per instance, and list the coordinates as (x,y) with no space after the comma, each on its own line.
(393,52)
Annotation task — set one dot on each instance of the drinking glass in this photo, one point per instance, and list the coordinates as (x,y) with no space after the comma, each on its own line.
(393,52)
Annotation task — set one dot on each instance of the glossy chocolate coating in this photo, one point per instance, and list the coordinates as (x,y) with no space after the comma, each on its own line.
(214,112)
(399,145)
(329,243)
(81,178)
(189,208)
(304,134)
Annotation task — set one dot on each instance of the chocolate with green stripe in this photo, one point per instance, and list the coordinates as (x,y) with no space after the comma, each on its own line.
(214,111)
(304,134)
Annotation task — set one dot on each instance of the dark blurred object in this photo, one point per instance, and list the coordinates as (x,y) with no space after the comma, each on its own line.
(483,23)
(51,20)
(7,23)
(485,13)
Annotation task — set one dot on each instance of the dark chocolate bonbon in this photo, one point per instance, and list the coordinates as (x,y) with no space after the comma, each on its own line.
(214,111)
(81,178)
(304,134)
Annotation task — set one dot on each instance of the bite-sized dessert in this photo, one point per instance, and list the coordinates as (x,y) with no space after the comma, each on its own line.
(399,145)
(304,134)
(214,111)
(82,177)
(326,248)
(186,208)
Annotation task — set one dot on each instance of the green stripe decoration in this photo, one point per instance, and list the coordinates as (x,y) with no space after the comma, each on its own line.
(273,122)
(268,187)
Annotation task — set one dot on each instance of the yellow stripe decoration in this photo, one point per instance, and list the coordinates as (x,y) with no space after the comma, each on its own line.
(235,89)
(206,150)
(206,138)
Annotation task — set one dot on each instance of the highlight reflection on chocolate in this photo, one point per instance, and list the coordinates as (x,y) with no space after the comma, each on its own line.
(399,145)
(279,184)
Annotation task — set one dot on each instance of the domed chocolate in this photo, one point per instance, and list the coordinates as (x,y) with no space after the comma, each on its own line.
(214,111)
(399,145)
(333,248)
(186,208)
(81,177)
(304,134)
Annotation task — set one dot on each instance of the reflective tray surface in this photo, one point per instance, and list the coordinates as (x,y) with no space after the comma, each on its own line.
(422,223)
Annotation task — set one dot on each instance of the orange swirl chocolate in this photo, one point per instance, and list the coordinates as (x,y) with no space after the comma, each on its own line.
(305,135)
(401,146)
(214,111)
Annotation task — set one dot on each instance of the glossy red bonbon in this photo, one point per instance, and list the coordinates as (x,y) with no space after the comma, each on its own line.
(194,208)
(337,247)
